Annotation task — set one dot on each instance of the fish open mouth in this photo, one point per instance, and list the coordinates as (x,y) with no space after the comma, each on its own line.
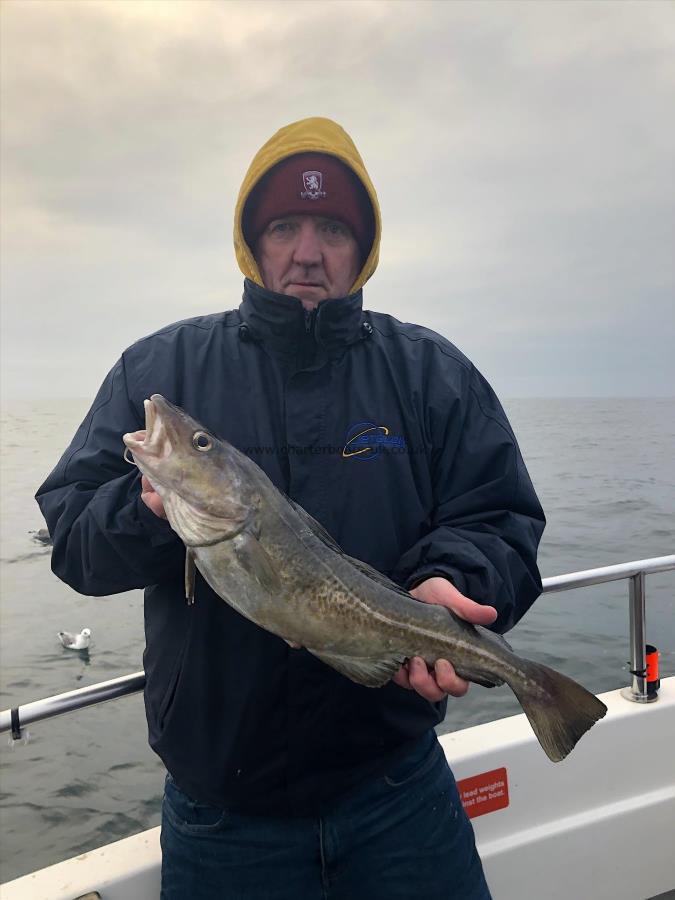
(153,440)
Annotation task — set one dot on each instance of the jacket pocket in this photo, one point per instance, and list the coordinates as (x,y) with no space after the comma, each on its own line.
(416,764)
(172,686)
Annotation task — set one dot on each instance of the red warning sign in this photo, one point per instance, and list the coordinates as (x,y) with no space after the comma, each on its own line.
(484,793)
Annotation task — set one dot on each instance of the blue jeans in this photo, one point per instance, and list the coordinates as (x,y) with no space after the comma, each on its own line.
(401,836)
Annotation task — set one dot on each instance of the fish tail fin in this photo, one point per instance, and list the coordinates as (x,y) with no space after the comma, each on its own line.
(559,710)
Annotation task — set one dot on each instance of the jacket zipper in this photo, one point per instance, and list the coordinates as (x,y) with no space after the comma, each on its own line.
(310,316)
(307,351)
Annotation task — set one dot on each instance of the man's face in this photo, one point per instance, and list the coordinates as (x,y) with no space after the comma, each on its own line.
(308,257)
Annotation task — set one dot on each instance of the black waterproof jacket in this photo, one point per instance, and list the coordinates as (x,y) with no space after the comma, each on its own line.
(382,431)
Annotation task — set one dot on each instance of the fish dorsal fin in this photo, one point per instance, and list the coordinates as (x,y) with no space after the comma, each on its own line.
(363,670)
(319,531)
(315,527)
(493,637)
(365,569)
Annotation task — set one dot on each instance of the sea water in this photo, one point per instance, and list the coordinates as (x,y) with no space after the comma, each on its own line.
(604,471)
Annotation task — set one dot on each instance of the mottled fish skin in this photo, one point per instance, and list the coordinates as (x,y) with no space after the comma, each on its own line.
(266,557)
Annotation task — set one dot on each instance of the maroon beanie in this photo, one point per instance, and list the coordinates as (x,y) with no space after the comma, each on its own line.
(310,184)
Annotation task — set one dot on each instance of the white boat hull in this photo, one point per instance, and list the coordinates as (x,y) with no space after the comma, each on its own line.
(598,826)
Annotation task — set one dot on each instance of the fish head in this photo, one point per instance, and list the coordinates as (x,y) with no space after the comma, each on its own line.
(204,482)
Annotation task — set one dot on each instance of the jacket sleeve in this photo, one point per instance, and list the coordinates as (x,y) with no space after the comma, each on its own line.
(487,520)
(105,539)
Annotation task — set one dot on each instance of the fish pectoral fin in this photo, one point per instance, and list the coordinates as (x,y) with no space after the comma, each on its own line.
(369,671)
(253,557)
(190,574)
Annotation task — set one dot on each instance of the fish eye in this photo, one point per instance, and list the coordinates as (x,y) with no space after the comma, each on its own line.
(201,441)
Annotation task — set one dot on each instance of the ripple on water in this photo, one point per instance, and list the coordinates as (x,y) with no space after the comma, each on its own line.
(75,789)
(26,557)
(122,767)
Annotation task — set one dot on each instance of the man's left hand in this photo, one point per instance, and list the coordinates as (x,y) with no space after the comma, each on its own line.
(415,675)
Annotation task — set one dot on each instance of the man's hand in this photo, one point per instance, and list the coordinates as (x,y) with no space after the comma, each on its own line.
(151,498)
(415,675)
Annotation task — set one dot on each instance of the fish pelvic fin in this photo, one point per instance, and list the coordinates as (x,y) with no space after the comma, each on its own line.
(484,679)
(368,671)
(559,710)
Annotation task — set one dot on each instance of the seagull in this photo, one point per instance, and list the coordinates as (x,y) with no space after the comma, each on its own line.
(75,641)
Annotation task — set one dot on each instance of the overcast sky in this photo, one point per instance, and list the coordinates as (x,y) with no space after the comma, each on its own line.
(523,153)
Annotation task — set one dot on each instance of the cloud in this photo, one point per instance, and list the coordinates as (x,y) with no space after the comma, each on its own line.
(522,153)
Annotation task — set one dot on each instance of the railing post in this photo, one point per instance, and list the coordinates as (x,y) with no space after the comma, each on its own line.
(637,691)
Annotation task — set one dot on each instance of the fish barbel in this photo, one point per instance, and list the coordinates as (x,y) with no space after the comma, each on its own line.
(271,561)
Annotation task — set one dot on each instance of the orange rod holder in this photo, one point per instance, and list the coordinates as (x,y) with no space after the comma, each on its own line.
(653,682)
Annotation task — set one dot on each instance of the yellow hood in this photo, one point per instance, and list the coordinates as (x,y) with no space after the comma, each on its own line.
(315,135)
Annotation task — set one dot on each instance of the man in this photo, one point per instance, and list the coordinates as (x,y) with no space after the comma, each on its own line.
(287,780)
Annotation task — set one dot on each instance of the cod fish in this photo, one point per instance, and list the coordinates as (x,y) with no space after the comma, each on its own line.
(273,563)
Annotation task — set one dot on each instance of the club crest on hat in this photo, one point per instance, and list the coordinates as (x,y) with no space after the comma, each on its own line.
(312,182)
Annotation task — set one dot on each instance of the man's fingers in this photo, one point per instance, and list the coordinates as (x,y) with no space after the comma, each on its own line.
(441,592)
(422,681)
(473,612)
(433,686)
(146,486)
(449,680)
(443,680)
(401,678)
(151,498)
(154,503)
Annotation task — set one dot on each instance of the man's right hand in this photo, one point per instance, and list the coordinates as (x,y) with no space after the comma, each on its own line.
(435,685)
(151,498)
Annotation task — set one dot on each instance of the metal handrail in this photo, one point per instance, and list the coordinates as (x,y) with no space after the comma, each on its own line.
(608,573)
(635,572)
(18,717)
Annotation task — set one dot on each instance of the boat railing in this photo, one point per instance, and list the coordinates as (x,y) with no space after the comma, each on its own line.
(18,717)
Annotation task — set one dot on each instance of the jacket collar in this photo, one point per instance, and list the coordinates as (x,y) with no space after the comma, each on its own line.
(281,322)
